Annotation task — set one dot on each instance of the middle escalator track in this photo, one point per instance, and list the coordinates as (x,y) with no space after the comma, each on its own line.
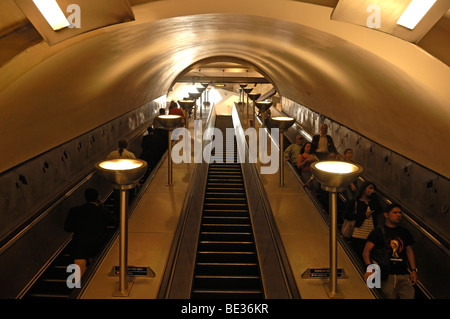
(227,263)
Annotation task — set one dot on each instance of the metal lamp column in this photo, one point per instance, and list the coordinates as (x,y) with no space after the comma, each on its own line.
(334,176)
(282,123)
(195,96)
(123,173)
(263,106)
(170,122)
(253,96)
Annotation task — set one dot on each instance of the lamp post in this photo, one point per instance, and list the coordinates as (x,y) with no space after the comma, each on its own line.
(123,173)
(200,90)
(282,123)
(195,96)
(247,90)
(241,96)
(253,96)
(186,105)
(170,122)
(263,106)
(334,176)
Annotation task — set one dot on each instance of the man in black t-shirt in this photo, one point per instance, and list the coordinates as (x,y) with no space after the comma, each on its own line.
(398,241)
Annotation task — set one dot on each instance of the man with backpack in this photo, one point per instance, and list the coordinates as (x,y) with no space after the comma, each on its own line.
(394,243)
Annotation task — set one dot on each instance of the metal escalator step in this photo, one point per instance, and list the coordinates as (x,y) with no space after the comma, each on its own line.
(225,219)
(242,236)
(218,210)
(226,227)
(226,246)
(225,206)
(227,294)
(227,269)
(222,256)
(225,200)
(228,190)
(227,282)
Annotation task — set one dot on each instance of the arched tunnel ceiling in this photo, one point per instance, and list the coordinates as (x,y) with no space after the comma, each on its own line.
(50,95)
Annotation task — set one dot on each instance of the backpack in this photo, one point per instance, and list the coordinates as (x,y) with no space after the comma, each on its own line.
(382,257)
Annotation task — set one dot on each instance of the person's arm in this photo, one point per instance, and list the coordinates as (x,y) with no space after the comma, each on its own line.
(412,264)
(301,161)
(366,256)
(287,153)
(331,147)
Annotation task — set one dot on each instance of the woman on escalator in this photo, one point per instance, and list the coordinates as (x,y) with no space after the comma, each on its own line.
(364,210)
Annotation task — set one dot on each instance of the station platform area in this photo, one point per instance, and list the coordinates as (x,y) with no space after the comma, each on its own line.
(153,223)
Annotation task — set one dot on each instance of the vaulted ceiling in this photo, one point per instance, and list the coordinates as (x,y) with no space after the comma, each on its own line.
(390,90)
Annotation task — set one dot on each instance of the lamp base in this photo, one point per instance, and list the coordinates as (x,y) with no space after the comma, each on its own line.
(332,189)
(124,292)
(331,295)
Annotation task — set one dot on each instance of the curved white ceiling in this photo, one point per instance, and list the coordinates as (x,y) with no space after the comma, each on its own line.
(52,94)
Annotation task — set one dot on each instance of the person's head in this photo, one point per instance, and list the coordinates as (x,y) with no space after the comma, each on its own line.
(331,156)
(368,189)
(91,195)
(306,148)
(348,153)
(172,104)
(324,129)
(150,130)
(162,111)
(123,144)
(393,214)
(299,139)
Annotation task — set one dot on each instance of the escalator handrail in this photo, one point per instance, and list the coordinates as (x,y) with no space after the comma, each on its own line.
(286,271)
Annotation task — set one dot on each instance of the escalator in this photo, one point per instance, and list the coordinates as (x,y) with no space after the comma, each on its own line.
(52,283)
(227,262)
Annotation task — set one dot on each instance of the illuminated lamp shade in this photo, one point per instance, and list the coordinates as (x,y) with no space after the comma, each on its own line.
(123,173)
(263,105)
(170,121)
(186,104)
(334,176)
(254,96)
(282,122)
(52,13)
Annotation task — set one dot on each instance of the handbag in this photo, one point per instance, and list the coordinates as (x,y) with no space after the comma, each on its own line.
(348,226)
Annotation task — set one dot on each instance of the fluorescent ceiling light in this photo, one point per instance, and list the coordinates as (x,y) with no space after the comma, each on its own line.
(52,13)
(415,12)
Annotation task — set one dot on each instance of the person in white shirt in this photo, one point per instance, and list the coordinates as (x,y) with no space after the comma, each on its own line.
(122,152)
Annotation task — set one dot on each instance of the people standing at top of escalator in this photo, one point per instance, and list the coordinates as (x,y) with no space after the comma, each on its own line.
(323,144)
(121,152)
(364,210)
